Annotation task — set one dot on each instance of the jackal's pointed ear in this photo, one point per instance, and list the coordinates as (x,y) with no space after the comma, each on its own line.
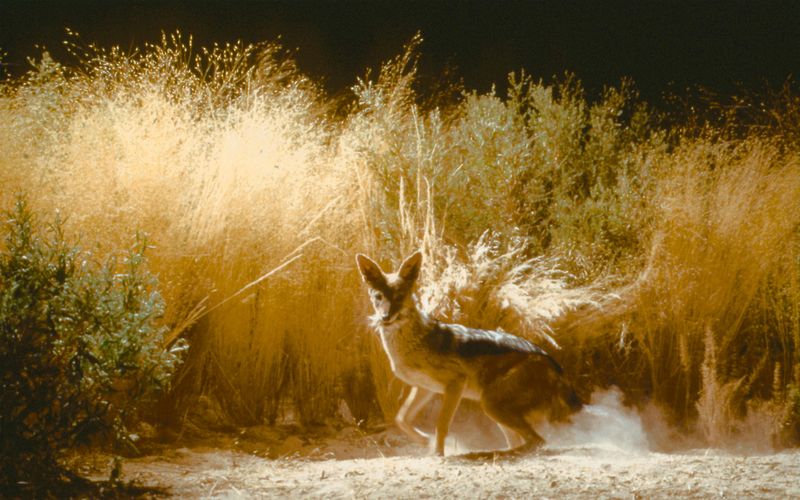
(370,271)
(409,269)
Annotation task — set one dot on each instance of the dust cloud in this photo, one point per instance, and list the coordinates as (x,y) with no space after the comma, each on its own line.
(605,423)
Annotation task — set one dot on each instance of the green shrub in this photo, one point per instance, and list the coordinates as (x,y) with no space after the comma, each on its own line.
(80,349)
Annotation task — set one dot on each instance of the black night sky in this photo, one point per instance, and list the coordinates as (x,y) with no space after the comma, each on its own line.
(661,45)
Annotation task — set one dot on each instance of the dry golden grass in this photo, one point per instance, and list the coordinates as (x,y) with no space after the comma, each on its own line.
(724,252)
(562,220)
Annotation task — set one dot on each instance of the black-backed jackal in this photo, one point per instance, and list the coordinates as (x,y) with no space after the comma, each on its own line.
(513,379)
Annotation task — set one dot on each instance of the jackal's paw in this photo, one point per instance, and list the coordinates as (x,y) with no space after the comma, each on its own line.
(420,437)
(434,450)
(415,435)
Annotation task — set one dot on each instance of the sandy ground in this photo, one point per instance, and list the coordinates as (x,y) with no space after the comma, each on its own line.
(602,454)
(557,473)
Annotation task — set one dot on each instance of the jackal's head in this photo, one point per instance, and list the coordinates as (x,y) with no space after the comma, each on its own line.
(390,293)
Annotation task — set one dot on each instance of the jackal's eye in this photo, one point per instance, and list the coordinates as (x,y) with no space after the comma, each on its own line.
(377,295)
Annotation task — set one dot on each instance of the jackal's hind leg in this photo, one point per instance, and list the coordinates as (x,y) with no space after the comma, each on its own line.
(513,419)
(513,440)
(416,400)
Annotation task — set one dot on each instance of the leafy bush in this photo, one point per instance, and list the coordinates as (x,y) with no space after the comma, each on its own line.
(80,348)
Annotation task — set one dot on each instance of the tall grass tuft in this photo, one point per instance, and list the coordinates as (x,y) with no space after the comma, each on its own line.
(721,268)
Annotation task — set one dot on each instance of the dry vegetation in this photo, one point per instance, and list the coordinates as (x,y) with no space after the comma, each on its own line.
(660,251)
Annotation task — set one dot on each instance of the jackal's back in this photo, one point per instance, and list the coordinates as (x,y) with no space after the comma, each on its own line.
(465,342)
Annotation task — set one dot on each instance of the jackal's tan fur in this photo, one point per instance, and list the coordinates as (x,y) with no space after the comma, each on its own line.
(511,377)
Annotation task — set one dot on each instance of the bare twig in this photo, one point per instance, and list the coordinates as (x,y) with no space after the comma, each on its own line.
(251,285)
(200,310)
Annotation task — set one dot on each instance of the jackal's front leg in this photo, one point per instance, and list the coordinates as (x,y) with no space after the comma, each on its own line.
(450,400)
(416,400)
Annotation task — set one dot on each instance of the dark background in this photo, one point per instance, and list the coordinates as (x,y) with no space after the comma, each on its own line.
(661,45)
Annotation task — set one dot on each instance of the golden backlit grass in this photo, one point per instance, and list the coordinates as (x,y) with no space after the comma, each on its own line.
(661,258)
